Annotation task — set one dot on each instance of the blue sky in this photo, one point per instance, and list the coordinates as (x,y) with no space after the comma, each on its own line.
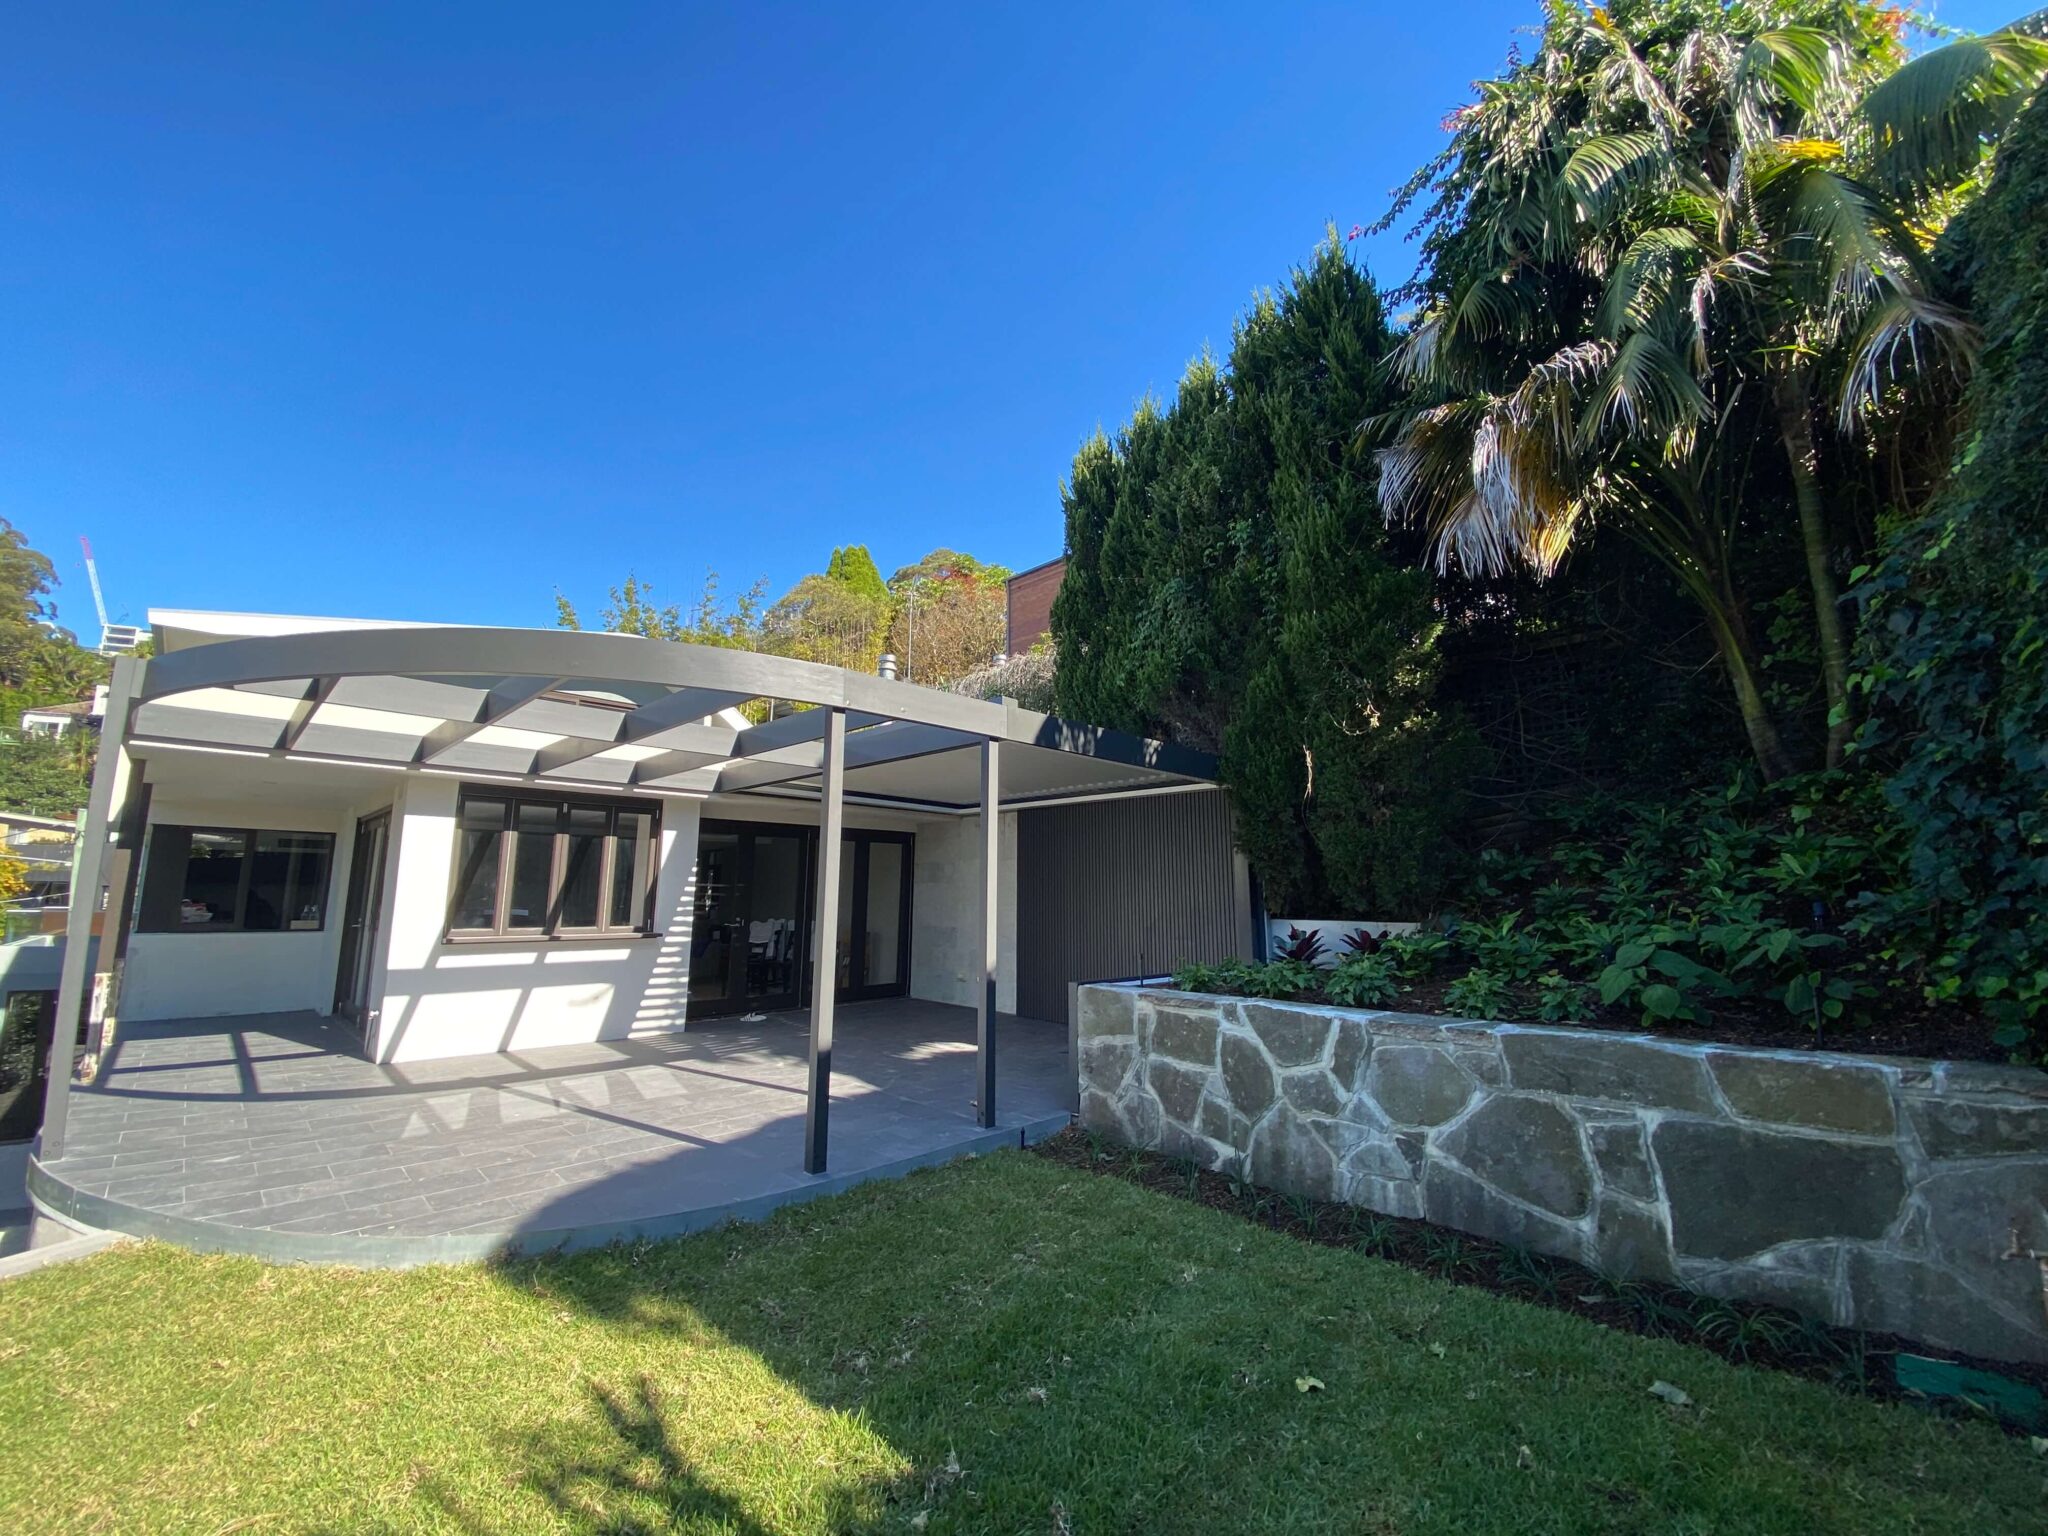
(425,311)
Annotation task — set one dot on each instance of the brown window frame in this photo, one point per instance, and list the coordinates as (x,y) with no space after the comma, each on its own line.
(552,930)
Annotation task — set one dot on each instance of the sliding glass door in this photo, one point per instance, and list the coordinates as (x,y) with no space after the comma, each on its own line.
(750,938)
(747,936)
(874,914)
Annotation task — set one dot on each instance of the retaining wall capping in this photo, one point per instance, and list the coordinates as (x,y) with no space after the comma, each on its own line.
(1871,1192)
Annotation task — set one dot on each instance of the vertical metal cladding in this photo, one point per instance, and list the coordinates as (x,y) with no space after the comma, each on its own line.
(1122,888)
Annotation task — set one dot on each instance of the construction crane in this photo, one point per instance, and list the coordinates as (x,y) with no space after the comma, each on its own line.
(115,639)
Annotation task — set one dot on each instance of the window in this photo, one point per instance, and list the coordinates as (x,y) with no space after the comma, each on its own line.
(545,868)
(235,880)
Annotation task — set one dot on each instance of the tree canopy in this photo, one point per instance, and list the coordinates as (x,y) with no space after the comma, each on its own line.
(1230,583)
(1679,230)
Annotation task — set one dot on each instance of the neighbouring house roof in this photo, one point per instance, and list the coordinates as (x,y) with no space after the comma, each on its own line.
(83,709)
(604,711)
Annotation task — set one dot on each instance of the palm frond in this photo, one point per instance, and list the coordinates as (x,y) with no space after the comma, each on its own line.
(1627,75)
(1845,240)
(1646,278)
(1490,480)
(1906,334)
(1647,392)
(1603,171)
(1737,269)
(1426,475)
(1795,68)
(1931,120)
(1505,305)
(1525,507)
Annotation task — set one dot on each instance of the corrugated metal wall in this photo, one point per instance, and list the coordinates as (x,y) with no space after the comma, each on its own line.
(1123,888)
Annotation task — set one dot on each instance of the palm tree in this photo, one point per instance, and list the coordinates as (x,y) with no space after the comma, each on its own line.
(1656,242)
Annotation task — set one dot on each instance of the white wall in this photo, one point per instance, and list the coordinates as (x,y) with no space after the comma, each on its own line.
(205,975)
(459,999)
(945,916)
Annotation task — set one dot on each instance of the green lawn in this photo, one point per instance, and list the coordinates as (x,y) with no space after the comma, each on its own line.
(1003,1346)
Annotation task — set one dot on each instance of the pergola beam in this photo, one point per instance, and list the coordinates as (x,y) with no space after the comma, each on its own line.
(806,725)
(891,742)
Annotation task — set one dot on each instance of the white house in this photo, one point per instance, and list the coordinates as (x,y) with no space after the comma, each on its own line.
(468,840)
(54,720)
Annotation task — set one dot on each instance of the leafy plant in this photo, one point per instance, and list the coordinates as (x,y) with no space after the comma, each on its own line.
(1524,1271)
(1374,1235)
(1450,1255)
(1560,1000)
(1745,1331)
(1231,976)
(1415,955)
(1363,980)
(1302,944)
(1307,1212)
(1480,994)
(1361,941)
(1280,979)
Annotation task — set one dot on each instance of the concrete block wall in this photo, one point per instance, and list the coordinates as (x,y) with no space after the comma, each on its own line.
(1871,1192)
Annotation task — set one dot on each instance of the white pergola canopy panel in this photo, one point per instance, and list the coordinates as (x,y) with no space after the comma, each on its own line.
(619,712)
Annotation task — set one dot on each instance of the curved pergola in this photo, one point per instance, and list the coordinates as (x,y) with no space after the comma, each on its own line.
(604,711)
(580,710)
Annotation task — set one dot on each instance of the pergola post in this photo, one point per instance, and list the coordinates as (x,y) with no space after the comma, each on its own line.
(825,938)
(109,788)
(991,876)
(124,866)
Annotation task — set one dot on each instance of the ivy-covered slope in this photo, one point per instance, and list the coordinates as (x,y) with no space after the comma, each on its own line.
(1956,630)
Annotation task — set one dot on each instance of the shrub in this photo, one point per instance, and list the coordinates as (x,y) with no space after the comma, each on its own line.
(1480,994)
(1363,981)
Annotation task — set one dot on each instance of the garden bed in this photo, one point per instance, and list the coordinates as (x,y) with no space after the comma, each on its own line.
(1744,1333)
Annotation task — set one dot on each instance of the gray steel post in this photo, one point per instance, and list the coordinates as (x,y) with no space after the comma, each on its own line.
(109,780)
(991,891)
(825,939)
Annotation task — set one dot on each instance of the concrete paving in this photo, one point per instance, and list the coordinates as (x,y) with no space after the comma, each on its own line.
(272,1127)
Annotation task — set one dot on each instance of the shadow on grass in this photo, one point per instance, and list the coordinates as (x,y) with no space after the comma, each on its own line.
(628,1475)
(1028,1347)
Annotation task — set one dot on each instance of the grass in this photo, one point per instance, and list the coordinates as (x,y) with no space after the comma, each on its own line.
(1006,1345)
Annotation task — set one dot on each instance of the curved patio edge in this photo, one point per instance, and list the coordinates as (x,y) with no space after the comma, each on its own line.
(53,1197)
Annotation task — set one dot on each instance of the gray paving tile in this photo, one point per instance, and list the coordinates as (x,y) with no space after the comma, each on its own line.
(365,1178)
(609,1132)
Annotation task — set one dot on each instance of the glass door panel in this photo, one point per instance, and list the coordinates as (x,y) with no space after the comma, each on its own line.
(849,959)
(882,947)
(775,909)
(717,934)
(750,945)
(362,919)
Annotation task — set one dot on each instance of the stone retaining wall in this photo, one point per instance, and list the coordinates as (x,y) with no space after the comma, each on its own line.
(1872,1192)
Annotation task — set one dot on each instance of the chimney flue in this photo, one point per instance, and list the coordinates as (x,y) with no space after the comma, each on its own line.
(888,666)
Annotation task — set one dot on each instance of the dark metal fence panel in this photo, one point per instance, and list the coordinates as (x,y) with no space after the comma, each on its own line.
(1122,888)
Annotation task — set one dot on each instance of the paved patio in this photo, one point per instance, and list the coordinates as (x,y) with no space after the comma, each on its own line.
(270,1135)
